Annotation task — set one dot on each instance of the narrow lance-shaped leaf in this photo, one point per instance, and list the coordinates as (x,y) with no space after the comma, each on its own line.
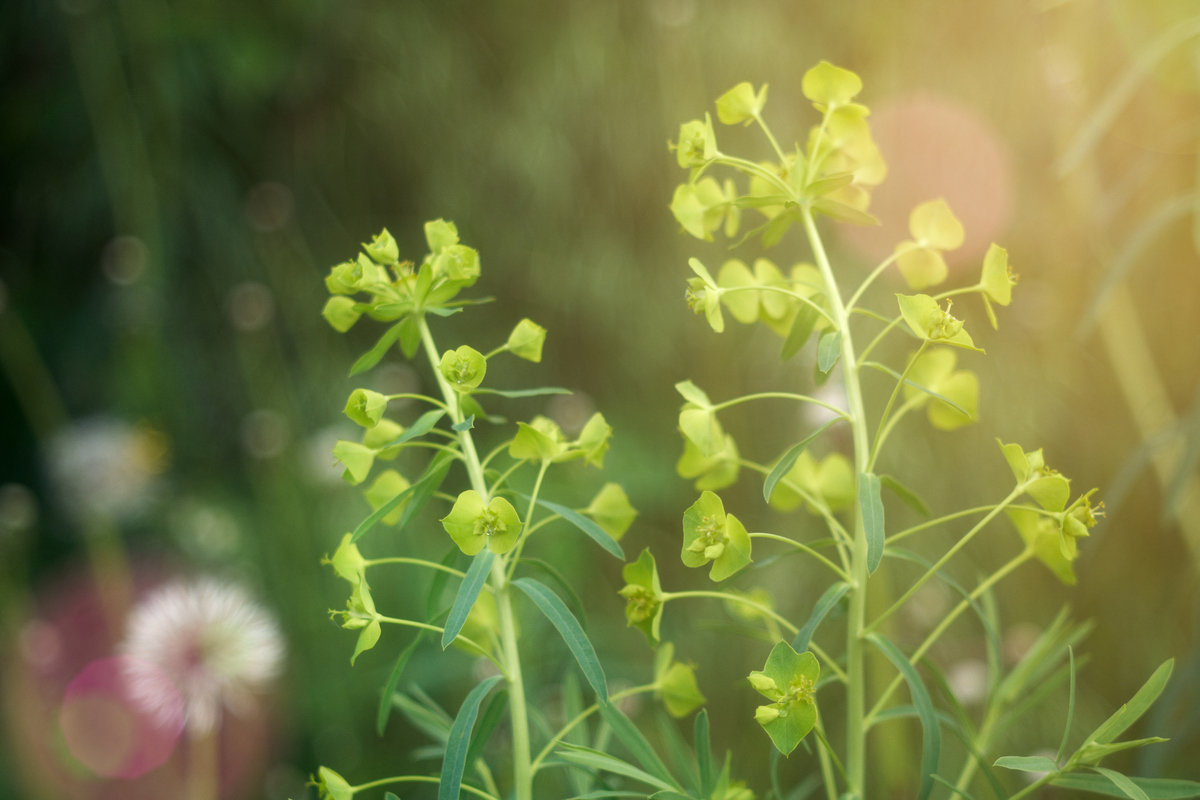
(385,699)
(570,631)
(824,605)
(870,504)
(1155,788)
(1123,783)
(433,476)
(801,330)
(597,534)
(829,350)
(1129,713)
(788,459)
(594,759)
(638,745)
(423,425)
(931,737)
(488,720)
(378,351)
(468,591)
(703,748)
(459,741)
(1027,763)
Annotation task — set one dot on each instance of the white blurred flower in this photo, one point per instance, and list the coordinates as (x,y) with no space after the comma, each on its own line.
(215,644)
(106,468)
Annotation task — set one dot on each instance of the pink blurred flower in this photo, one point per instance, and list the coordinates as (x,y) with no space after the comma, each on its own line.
(217,646)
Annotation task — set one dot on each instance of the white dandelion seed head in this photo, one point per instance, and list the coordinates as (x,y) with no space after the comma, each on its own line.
(215,644)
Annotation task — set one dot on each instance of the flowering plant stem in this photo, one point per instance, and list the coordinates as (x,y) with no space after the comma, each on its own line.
(510,654)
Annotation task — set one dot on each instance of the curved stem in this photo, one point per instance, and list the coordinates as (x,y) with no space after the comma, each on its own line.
(422,397)
(875,273)
(804,398)
(855,667)
(840,534)
(879,337)
(425,626)
(420,779)
(804,549)
(755,169)
(933,636)
(736,598)
(537,487)
(580,717)
(518,711)
(762,287)
(771,138)
(887,409)
(886,431)
(941,562)
(420,562)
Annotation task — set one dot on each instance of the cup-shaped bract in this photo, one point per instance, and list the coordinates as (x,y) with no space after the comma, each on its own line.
(741,104)
(463,368)
(474,525)
(789,681)
(526,340)
(643,596)
(366,407)
(611,510)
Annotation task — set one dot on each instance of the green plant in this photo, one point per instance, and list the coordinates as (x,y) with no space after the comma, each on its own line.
(482,592)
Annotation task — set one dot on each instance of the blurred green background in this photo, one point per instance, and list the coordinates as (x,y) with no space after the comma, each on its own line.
(177,180)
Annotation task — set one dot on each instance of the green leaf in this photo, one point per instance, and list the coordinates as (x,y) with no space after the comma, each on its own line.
(423,425)
(459,740)
(741,104)
(426,485)
(693,394)
(843,212)
(574,603)
(1062,747)
(432,477)
(788,460)
(703,748)
(639,747)
(486,725)
(1123,783)
(594,759)
(1129,713)
(1027,763)
(597,534)
(824,605)
(931,737)
(410,335)
(466,425)
(826,85)
(568,628)
(829,350)
(870,504)
(1154,788)
(906,495)
(389,688)
(373,356)
(367,638)
(468,591)
(802,328)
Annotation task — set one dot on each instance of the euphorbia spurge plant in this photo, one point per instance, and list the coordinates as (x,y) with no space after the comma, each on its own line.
(480,554)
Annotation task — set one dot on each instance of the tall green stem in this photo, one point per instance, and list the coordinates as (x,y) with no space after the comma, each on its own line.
(855,671)
(511,657)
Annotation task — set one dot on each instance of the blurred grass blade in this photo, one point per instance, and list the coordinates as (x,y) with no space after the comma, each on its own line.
(931,736)
(1154,788)
(639,747)
(570,631)
(1062,747)
(594,759)
(389,688)
(458,742)
(468,591)
(703,748)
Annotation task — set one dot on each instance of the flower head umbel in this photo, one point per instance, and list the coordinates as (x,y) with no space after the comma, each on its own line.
(216,645)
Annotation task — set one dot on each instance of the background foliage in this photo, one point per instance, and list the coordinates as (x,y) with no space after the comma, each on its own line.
(178,178)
